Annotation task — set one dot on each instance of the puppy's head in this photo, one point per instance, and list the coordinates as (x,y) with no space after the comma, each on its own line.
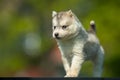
(64,25)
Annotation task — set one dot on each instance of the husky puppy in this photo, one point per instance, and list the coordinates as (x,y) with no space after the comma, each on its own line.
(76,44)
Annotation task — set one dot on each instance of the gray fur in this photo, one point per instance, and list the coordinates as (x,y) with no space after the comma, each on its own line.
(76,44)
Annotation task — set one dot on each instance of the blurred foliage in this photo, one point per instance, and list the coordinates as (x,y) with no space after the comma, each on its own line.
(19,18)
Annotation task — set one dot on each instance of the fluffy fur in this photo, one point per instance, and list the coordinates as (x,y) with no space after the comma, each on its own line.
(76,44)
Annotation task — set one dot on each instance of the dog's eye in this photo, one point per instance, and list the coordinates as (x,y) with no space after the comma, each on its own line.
(54,27)
(64,27)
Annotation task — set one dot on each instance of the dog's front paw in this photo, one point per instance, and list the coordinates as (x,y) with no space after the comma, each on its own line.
(67,75)
(70,75)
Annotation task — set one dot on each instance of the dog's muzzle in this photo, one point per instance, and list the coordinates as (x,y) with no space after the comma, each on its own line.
(57,35)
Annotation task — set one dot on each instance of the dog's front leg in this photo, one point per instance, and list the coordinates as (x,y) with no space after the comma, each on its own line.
(75,66)
(66,64)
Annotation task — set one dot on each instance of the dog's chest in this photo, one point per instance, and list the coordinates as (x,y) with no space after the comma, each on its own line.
(66,48)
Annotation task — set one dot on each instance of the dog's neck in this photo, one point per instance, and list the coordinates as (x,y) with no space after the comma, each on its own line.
(82,31)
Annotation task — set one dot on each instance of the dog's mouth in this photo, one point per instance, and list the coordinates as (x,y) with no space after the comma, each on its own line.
(57,37)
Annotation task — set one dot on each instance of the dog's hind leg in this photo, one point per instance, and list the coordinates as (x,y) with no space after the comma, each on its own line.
(98,63)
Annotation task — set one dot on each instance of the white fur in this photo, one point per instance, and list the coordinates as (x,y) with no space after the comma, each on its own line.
(92,22)
(77,45)
(54,13)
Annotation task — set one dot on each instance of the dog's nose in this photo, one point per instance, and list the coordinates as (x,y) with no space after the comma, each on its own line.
(56,34)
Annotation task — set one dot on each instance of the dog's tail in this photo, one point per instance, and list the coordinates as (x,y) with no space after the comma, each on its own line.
(92,26)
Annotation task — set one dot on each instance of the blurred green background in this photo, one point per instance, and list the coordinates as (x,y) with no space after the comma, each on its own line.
(26,44)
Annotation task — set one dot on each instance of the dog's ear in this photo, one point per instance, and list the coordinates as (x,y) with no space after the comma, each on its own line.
(70,13)
(54,13)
